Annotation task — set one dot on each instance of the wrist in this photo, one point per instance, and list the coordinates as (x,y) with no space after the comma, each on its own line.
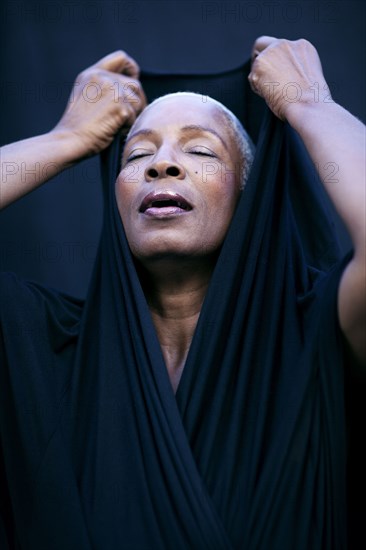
(72,148)
(303,112)
(307,103)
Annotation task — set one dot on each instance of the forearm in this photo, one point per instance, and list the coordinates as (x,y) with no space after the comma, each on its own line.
(85,129)
(335,141)
(334,138)
(27,164)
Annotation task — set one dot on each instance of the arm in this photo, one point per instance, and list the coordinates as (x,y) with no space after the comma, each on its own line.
(331,135)
(86,128)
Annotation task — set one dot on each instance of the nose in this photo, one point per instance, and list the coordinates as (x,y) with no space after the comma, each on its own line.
(163,168)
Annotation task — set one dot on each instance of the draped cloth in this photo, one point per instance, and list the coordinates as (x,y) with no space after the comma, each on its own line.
(96,450)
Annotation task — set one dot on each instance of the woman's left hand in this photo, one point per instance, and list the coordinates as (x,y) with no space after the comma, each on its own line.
(287,74)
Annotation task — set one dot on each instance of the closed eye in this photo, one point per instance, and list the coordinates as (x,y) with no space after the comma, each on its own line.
(203,152)
(137,156)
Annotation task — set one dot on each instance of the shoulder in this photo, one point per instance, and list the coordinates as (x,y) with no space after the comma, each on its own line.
(30,306)
(14,290)
(322,328)
(339,305)
(352,306)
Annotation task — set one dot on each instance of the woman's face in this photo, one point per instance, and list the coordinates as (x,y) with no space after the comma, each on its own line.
(180,180)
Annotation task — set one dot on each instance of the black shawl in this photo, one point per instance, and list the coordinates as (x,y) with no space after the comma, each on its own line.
(96,450)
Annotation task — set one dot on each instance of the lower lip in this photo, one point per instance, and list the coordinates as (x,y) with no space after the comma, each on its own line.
(165,212)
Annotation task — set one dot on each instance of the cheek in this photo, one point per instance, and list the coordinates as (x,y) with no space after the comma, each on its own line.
(223,195)
(124,194)
(222,207)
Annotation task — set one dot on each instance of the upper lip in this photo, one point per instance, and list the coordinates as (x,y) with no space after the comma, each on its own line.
(164,196)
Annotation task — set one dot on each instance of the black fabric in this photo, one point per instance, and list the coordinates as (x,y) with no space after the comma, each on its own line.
(250,453)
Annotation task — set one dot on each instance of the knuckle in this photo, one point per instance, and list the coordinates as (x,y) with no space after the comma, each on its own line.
(125,110)
(137,86)
(303,42)
(119,116)
(130,89)
(285,43)
(130,85)
(105,82)
(257,66)
(83,75)
(122,53)
(90,74)
(136,90)
(132,82)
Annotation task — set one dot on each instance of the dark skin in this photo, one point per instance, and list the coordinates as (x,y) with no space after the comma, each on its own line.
(331,135)
(177,253)
(177,248)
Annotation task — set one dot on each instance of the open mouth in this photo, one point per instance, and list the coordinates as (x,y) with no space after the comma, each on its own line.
(164,203)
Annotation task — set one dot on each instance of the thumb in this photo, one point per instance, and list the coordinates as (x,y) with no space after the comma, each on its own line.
(261,44)
(119,62)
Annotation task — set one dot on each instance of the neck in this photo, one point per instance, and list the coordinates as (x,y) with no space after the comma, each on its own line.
(175,294)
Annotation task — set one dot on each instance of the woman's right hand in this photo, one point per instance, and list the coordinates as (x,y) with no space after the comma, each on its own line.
(106,97)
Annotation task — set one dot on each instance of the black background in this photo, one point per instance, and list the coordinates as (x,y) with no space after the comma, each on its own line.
(51,235)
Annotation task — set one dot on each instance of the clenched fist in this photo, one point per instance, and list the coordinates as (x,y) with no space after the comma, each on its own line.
(106,97)
(288,75)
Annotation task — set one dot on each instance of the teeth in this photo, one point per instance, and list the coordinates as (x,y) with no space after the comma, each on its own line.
(164,203)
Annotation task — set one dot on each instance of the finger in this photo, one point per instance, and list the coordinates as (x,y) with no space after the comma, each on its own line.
(119,62)
(129,114)
(261,44)
(130,91)
(142,100)
(253,81)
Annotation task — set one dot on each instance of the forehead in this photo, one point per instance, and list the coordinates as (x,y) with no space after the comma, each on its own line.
(178,111)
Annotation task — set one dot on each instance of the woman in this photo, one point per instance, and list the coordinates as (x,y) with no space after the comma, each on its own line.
(250,450)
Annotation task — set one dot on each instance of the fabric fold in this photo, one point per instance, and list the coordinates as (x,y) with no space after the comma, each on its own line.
(250,452)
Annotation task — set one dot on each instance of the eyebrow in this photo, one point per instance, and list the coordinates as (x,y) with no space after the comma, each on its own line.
(189,128)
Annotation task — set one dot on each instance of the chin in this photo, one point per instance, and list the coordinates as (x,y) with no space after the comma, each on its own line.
(174,247)
(167,258)
(162,254)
